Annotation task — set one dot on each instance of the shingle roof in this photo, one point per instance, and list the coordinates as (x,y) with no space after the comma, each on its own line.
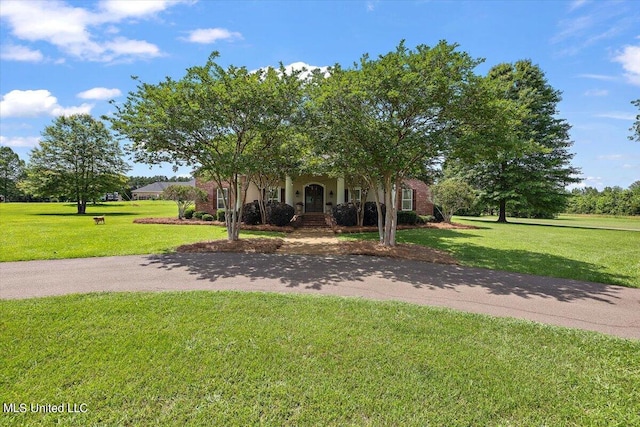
(158,187)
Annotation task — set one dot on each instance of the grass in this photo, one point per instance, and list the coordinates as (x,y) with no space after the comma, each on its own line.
(30,231)
(571,251)
(569,247)
(223,358)
(577,221)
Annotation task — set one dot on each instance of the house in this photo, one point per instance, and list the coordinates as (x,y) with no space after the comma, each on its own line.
(154,191)
(317,194)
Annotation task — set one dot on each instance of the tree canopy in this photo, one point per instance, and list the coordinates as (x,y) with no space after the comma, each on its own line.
(11,172)
(220,121)
(185,196)
(391,116)
(527,162)
(77,158)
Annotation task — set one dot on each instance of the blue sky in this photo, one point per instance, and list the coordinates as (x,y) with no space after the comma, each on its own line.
(62,57)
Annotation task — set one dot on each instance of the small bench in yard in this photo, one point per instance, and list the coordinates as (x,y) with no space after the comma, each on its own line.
(99,220)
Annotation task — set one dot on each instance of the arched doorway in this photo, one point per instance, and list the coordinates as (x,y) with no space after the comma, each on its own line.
(313,198)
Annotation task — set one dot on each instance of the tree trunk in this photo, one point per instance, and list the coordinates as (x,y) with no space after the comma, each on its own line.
(82,207)
(391,214)
(502,216)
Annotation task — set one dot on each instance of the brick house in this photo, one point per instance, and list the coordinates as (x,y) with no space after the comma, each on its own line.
(317,194)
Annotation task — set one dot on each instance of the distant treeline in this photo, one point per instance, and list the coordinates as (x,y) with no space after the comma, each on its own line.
(610,201)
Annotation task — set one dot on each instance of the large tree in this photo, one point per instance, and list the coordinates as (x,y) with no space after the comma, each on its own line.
(392,116)
(526,163)
(220,121)
(11,172)
(77,158)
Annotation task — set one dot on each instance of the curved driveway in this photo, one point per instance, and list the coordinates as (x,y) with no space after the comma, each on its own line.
(609,309)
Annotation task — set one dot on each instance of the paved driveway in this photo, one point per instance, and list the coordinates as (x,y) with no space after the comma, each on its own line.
(613,310)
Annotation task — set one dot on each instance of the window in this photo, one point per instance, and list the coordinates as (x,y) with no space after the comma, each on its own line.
(222,192)
(407,199)
(354,195)
(273,194)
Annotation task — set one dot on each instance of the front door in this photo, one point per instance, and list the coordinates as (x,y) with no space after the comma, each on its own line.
(313,198)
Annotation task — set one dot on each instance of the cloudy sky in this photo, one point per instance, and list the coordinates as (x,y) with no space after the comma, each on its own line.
(69,57)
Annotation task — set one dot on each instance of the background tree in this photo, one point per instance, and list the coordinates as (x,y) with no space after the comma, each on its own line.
(77,158)
(528,163)
(392,116)
(451,195)
(11,172)
(217,120)
(635,129)
(185,196)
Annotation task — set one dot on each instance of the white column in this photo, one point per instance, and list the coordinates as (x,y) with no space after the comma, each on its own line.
(288,190)
(340,191)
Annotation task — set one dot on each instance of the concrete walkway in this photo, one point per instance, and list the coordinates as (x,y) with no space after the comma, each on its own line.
(612,310)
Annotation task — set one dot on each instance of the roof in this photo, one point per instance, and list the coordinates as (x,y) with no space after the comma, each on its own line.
(158,187)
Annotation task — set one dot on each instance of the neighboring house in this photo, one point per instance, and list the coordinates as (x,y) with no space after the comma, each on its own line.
(317,194)
(154,191)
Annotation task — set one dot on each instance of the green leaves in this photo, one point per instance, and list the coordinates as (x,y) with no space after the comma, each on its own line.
(77,158)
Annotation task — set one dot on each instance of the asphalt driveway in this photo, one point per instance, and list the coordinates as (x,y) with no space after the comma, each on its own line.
(609,309)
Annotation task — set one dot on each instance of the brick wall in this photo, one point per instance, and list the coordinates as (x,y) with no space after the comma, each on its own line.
(422,196)
(210,205)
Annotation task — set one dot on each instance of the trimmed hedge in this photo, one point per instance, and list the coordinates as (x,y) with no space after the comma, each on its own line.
(279,214)
(345,214)
(407,217)
(251,214)
(220,215)
(207,217)
(198,214)
(188,213)
(371,213)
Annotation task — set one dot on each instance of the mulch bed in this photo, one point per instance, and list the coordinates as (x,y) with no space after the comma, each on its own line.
(262,245)
(370,248)
(176,221)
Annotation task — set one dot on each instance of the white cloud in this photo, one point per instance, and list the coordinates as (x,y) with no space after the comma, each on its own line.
(596,92)
(20,53)
(611,157)
(33,103)
(576,4)
(19,141)
(80,32)
(630,60)
(127,9)
(597,77)
(617,115)
(124,47)
(212,35)
(100,93)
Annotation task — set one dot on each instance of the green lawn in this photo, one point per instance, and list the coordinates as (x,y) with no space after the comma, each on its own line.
(31,231)
(568,247)
(576,221)
(224,358)
(540,247)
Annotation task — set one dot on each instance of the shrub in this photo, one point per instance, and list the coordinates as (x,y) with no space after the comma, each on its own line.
(198,214)
(251,214)
(407,217)
(437,214)
(207,217)
(279,214)
(189,212)
(427,218)
(371,213)
(220,215)
(345,214)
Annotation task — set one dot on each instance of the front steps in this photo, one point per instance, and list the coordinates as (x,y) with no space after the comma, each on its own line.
(314,220)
